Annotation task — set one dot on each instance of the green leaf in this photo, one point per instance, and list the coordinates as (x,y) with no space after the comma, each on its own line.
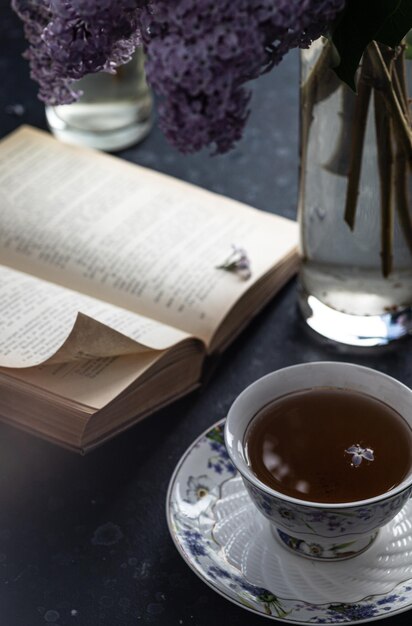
(397,26)
(245,603)
(359,24)
(216,434)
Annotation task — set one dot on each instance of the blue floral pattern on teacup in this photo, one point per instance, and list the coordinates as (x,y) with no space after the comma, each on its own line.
(336,522)
(219,461)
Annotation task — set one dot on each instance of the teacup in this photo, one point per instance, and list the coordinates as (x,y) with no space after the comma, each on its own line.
(325,531)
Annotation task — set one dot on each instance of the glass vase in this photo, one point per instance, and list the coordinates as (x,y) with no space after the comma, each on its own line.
(113,113)
(355,200)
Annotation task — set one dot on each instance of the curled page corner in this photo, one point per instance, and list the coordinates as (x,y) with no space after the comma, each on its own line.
(91,339)
(86,339)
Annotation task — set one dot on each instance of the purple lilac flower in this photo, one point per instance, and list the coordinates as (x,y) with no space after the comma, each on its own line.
(71,38)
(237,262)
(202,52)
(358,453)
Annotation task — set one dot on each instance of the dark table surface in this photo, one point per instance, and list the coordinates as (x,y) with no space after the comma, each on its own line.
(52,502)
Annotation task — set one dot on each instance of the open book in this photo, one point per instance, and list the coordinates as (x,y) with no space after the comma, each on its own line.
(110,296)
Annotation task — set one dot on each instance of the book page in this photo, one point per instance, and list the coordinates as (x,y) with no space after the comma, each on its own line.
(41,321)
(92,382)
(135,238)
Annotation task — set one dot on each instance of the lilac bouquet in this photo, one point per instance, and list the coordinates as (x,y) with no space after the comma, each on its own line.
(200,53)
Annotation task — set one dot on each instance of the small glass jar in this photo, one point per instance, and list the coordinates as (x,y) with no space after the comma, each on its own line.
(113,113)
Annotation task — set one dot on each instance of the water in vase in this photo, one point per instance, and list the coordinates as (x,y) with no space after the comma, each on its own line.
(353,272)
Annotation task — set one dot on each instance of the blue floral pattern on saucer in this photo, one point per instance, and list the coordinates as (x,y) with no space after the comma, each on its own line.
(205,492)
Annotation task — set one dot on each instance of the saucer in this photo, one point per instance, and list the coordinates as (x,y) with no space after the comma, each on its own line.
(230,546)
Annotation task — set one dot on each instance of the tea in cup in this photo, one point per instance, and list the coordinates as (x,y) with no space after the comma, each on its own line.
(325,452)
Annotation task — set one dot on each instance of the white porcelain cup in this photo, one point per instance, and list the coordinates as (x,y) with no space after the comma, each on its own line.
(313,529)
